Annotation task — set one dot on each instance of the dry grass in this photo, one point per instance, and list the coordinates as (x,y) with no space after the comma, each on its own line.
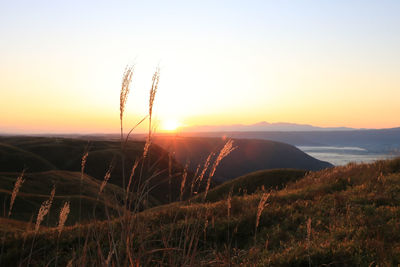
(128,188)
(225,151)
(17,186)
(153,91)
(83,161)
(184,176)
(63,217)
(44,209)
(299,227)
(125,88)
(261,205)
(206,165)
(106,178)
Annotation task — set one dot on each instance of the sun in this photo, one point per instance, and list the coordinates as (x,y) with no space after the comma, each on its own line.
(170,125)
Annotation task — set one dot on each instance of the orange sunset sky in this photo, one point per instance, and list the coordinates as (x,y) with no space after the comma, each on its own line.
(325,63)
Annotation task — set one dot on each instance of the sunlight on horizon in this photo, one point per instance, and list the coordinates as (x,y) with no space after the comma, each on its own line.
(170,125)
(325,64)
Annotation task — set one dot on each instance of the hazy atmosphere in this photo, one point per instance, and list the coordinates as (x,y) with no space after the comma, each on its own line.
(325,63)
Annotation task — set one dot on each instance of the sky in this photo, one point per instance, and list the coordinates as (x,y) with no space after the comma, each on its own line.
(325,63)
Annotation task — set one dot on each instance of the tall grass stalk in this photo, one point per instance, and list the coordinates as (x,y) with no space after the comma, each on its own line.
(18,183)
(123,98)
(225,151)
(199,178)
(152,97)
(184,176)
(153,91)
(128,187)
(83,165)
(61,222)
(105,179)
(260,209)
(136,190)
(43,211)
(194,180)
(63,217)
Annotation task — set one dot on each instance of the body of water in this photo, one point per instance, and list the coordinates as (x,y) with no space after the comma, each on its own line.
(343,155)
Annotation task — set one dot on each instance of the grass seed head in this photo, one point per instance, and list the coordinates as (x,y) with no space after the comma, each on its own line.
(17,186)
(63,216)
(153,91)
(83,162)
(125,88)
(146,147)
(131,176)
(261,206)
(225,151)
(106,178)
(44,209)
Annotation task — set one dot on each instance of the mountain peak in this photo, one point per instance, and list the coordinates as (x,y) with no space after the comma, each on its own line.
(262,126)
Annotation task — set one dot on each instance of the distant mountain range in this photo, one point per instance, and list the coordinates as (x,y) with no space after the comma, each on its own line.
(262,127)
(375,140)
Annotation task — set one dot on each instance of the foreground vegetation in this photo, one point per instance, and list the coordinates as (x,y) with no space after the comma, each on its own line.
(343,216)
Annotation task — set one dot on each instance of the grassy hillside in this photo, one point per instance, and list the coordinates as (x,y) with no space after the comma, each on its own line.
(37,188)
(65,154)
(343,216)
(253,182)
(38,154)
(250,155)
(15,159)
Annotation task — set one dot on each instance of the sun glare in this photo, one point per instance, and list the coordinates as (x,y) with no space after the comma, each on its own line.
(171,125)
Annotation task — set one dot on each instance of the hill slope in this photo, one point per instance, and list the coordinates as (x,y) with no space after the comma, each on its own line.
(250,155)
(37,188)
(343,216)
(253,182)
(38,154)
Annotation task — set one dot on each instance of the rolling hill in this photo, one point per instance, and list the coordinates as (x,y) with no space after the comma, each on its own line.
(40,154)
(253,182)
(250,155)
(37,188)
